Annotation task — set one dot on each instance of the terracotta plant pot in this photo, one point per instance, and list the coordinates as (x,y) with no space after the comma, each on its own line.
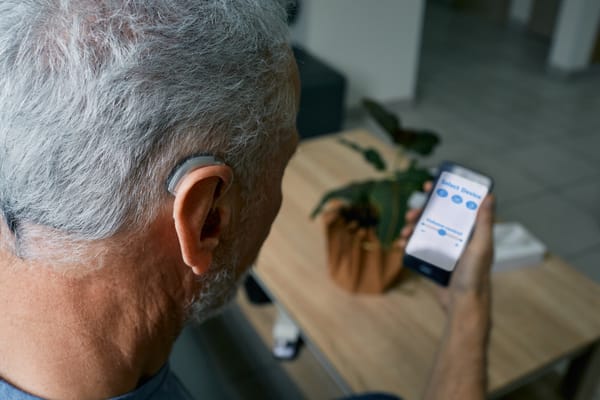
(356,260)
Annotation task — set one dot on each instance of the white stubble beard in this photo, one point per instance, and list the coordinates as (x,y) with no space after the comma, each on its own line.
(219,285)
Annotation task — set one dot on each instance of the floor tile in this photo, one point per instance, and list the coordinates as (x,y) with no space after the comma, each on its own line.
(223,336)
(510,183)
(587,146)
(585,196)
(190,362)
(566,230)
(270,383)
(546,387)
(307,371)
(588,262)
(456,150)
(211,359)
(550,164)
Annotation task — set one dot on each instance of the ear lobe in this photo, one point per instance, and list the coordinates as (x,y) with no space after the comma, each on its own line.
(200,215)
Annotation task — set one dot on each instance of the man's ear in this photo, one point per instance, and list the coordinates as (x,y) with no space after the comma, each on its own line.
(199,215)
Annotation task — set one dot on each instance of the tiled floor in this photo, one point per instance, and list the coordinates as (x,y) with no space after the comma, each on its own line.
(485,89)
(225,359)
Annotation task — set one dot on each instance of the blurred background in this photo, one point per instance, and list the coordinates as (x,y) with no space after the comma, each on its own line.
(513,89)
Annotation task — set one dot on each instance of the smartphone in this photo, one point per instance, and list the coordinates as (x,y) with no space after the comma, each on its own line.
(447,221)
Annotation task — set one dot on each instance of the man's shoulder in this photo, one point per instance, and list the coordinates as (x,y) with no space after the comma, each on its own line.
(163,386)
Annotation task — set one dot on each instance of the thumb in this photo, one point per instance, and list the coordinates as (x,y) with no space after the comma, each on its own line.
(482,239)
(472,271)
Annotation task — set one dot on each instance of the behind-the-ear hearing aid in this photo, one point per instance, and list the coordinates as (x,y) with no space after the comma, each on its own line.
(189,164)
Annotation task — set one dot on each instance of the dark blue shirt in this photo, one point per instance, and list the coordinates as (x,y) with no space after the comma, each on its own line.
(162,386)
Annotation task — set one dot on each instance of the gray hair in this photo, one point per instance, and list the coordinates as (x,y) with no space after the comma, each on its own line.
(100,99)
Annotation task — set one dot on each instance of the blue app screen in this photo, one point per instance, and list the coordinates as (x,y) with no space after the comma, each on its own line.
(446,223)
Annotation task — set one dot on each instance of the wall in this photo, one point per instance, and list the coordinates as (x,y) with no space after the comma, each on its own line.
(574,35)
(375,44)
(520,11)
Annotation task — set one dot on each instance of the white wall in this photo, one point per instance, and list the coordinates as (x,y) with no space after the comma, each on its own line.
(574,35)
(520,11)
(375,44)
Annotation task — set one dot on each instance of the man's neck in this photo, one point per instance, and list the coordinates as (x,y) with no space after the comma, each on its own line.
(95,336)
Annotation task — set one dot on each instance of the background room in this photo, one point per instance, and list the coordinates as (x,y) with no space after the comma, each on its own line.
(513,89)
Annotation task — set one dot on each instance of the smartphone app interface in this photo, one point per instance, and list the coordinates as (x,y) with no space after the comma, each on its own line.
(445,225)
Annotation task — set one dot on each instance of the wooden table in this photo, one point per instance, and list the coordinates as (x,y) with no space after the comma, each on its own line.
(541,314)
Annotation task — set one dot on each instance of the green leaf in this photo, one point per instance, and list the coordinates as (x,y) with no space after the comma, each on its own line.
(374,158)
(413,178)
(420,141)
(370,154)
(389,198)
(355,193)
(388,121)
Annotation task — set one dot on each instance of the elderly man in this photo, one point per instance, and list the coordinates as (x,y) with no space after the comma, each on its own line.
(142,147)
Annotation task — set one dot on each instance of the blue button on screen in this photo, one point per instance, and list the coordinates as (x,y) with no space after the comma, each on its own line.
(457,199)
(471,205)
(442,192)
(442,232)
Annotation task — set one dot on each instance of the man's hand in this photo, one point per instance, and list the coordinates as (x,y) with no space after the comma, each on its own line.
(460,369)
(472,273)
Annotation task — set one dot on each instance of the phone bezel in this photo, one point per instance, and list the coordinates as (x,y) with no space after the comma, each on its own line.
(431,271)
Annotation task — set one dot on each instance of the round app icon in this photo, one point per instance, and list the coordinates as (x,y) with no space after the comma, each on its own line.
(457,199)
(471,205)
(442,192)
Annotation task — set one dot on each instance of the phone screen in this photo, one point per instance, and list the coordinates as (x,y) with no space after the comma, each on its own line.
(446,223)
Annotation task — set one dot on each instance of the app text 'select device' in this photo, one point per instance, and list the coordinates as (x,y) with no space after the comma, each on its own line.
(445,225)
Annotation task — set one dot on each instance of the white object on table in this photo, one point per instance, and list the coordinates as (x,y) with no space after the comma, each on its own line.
(286,335)
(515,246)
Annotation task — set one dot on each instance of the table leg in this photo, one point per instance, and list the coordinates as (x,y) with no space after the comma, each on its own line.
(583,376)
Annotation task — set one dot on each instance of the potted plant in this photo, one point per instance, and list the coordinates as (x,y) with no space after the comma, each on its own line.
(363,220)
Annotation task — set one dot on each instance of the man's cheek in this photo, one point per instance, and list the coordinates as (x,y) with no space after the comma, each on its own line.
(277,207)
